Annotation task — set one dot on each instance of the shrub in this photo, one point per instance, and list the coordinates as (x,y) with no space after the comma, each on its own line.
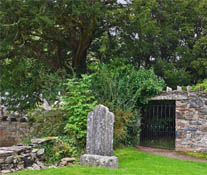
(126,128)
(125,86)
(52,123)
(48,123)
(57,149)
(67,122)
(200,86)
(125,90)
(78,101)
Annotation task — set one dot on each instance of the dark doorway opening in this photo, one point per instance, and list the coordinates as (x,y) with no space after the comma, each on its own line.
(158,125)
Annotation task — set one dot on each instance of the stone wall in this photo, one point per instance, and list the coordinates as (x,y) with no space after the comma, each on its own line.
(12,132)
(17,158)
(191,119)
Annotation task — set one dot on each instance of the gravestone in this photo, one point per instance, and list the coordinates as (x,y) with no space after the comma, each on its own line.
(99,146)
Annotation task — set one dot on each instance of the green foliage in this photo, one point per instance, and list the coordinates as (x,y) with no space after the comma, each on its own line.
(72,34)
(180,48)
(23,80)
(196,154)
(125,90)
(53,85)
(48,123)
(57,149)
(126,127)
(199,65)
(124,86)
(200,86)
(57,33)
(78,102)
(68,121)
(173,31)
(139,32)
(172,76)
(20,83)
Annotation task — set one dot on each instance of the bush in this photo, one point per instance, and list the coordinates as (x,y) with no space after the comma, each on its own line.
(126,128)
(67,122)
(48,123)
(200,86)
(57,149)
(124,86)
(78,101)
(125,90)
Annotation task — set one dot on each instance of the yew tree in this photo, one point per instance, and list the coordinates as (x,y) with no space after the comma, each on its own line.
(55,32)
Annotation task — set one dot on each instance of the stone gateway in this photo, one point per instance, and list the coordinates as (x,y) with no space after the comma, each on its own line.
(191,119)
(99,146)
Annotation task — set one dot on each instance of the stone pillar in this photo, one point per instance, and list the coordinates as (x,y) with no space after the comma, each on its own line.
(99,146)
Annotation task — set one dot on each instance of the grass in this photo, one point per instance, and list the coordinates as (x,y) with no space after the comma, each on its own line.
(196,154)
(159,143)
(132,162)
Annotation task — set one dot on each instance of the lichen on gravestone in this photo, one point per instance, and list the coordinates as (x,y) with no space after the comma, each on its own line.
(100,132)
(99,146)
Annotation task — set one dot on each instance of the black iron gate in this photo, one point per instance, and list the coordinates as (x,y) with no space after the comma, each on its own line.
(158,125)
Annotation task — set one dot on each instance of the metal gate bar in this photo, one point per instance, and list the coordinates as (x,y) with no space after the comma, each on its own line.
(158,125)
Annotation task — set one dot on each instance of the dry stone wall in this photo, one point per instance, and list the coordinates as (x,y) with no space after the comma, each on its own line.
(17,158)
(191,119)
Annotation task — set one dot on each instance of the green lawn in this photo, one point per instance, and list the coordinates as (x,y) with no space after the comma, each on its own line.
(132,162)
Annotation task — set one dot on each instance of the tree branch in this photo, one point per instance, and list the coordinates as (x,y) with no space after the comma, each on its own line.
(9,55)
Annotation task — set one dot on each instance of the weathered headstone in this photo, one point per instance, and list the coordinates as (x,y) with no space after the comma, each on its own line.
(99,146)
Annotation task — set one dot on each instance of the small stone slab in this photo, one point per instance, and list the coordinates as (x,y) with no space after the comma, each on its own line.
(203,112)
(68,159)
(40,152)
(42,140)
(14,149)
(110,162)
(4,153)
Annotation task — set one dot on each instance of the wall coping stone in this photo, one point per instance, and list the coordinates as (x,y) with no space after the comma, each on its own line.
(178,95)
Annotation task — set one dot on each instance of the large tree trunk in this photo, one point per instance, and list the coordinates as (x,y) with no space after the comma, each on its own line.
(81,44)
(79,57)
(79,61)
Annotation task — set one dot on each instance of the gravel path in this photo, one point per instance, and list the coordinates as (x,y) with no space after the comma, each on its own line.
(170,154)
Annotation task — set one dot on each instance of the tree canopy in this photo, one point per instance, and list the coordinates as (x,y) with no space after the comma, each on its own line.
(43,37)
(57,33)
